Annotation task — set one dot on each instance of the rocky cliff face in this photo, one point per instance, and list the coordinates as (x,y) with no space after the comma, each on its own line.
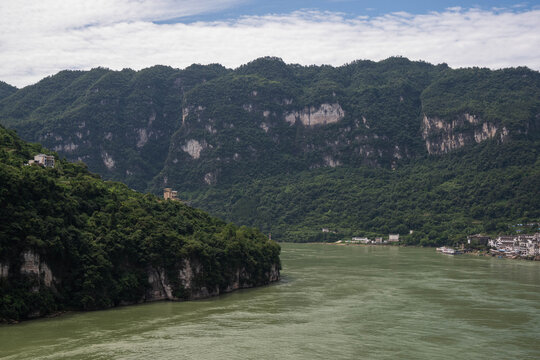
(324,114)
(37,272)
(4,270)
(161,287)
(33,267)
(118,123)
(444,136)
(207,125)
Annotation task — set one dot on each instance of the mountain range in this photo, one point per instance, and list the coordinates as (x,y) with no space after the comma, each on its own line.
(427,151)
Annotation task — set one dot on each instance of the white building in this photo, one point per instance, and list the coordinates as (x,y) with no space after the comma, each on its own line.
(524,245)
(360,240)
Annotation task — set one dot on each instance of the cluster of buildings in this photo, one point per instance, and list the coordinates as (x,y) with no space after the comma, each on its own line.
(392,238)
(516,245)
(43,160)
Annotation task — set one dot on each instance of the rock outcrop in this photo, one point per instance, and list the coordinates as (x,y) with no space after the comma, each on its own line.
(208,125)
(34,268)
(4,270)
(194,148)
(443,136)
(161,287)
(33,265)
(324,114)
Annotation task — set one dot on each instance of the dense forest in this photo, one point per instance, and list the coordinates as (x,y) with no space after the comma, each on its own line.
(98,238)
(426,151)
(429,202)
(208,125)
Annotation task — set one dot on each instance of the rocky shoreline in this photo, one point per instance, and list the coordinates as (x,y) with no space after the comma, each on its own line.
(501,256)
(160,286)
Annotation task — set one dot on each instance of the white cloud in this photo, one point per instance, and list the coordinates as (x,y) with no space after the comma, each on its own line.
(57,15)
(122,35)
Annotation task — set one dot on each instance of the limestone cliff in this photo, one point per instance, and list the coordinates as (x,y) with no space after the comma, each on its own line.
(311,116)
(207,126)
(186,286)
(442,136)
(33,267)
(161,287)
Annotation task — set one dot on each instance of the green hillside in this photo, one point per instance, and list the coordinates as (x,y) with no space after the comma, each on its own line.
(441,200)
(100,238)
(96,115)
(291,149)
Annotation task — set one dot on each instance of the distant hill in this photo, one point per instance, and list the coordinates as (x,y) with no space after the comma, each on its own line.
(208,130)
(69,240)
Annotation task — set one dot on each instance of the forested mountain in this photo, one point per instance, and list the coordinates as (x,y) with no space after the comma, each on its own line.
(252,144)
(6,90)
(69,240)
(439,200)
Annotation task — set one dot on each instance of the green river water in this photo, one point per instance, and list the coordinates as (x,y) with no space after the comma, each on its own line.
(334,302)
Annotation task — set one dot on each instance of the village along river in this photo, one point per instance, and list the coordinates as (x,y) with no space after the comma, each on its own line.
(334,302)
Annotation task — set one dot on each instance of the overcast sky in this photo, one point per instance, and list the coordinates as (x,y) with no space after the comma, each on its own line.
(41,37)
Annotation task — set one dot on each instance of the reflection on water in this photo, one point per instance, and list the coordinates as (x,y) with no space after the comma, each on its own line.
(334,302)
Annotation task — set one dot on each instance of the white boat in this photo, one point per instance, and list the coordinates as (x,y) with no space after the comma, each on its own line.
(448,251)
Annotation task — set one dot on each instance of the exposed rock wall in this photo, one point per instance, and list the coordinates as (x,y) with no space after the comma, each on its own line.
(4,270)
(142,138)
(194,148)
(443,136)
(159,286)
(107,160)
(33,265)
(324,114)
(162,289)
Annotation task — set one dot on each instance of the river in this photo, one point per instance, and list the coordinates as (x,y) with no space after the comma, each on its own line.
(334,302)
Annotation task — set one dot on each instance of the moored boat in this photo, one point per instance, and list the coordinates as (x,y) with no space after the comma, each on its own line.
(448,251)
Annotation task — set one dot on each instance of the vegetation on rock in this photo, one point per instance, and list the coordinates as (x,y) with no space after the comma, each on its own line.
(99,238)
(440,199)
(233,142)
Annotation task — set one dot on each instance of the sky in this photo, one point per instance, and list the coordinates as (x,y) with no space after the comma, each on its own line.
(38,38)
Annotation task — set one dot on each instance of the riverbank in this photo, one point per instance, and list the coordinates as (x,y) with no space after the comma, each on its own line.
(496,254)
(161,286)
(273,278)
(487,253)
(333,302)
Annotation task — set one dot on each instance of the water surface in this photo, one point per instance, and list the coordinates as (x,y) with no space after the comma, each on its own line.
(334,302)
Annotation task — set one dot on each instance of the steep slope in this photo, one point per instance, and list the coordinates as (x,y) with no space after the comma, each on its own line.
(68,240)
(217,135)
(119,123)
(431,201)
(268,118)
(472,105)
(206,125)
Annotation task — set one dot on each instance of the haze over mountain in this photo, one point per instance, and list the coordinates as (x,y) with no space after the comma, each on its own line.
(235,141)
